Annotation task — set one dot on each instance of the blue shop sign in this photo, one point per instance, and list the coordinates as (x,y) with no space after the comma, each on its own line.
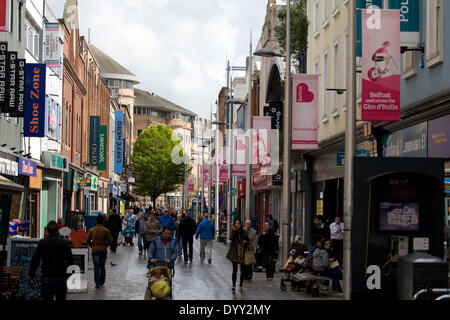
(411,142)
(35,107)
(27,168)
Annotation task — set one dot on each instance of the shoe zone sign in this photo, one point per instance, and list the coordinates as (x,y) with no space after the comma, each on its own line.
(34,120)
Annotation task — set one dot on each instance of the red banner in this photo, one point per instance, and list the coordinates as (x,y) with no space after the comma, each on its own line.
(381,65)
(305,112)
(2,15)
(191,183)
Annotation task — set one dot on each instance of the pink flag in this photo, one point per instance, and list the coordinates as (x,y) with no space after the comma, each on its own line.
(262,136)
(305,112)
(240,155)
(191,183)
(381,72)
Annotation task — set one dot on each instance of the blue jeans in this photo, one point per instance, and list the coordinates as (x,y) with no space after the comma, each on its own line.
(336,275)
(141,241)
(52,287)
(99,259)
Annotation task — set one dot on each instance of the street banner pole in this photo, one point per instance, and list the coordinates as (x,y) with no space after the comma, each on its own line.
(350,147)
(286,205)
(248,181)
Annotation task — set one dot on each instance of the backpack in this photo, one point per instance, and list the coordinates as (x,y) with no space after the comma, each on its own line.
(308,262)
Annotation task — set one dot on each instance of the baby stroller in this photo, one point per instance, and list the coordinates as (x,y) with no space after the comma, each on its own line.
(293,266)
(128,234)
(160,285)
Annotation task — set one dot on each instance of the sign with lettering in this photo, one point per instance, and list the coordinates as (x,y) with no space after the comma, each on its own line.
(94,140)
(381,65)
(20,89)
(9,168)
(52,45)
(409,21)
(83,183)
(55,161)
(275,110)
(4,76)
(102,148)
(13,83)
(410,142)
(27,168)
(363,4)
(439,138)
(118,154)
(35,115)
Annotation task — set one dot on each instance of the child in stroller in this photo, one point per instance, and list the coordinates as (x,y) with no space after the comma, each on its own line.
(128,234)
(159,283)
(295,264)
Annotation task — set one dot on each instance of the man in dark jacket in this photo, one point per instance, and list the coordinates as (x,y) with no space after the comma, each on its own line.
(187,229)
(114,224)
(268,246)
(56,257)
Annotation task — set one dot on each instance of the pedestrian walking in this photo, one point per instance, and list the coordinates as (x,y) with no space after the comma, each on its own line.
(337,238)
(99,239)
(205,231)
(164,248)
(166,220)
(187,230)
(139,230)
(56,257)
(253,242)
(114,224)
(269,247)
(239,240)
(152,229)
(177,233)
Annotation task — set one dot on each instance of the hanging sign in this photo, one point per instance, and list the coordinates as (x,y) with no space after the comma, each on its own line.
(20,89)
(191,184)
(409,21)
(239,155)
(27,168)
(363,4)
(4,76)
(262,136)
(11,93)
(34,121)
(275,110)
(305,112)
(381,65)
(118,154)
(52,45)
(2,15)
(94,140)
(102,148)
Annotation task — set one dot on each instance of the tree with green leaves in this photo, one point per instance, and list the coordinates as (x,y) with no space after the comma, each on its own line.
(299,32)
(157,162)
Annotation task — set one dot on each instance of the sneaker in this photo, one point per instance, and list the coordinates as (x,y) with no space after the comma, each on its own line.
(140,253)
(190,260)
(97,287)
(209,261)
(337,293)
(269,279)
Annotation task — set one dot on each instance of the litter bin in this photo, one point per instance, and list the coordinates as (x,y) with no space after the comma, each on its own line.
(223,232)
(415,270)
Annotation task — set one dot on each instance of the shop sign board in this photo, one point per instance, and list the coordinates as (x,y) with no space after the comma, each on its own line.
(409,21)
(52,45)
(94,140)
(118,155)
(27,167)
(9,168)
(4,76)
(55,161)
(340,156)
(82,183)
(35,107)
(410,142)
(103,148)
(275,110)
(439,138)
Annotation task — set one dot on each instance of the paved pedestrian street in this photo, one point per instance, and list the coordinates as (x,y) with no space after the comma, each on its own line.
(127,280)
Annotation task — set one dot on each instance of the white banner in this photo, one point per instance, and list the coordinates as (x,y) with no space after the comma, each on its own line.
(52,45)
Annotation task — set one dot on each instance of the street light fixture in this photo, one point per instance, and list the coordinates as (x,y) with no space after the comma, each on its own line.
(266,53)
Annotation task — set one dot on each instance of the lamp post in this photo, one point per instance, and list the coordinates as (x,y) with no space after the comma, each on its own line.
(216,210)
(287,128)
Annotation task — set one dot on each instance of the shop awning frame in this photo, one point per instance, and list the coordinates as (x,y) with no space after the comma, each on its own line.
(9,186)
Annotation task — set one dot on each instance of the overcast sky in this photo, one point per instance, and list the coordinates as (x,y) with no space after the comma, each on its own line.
(177,48)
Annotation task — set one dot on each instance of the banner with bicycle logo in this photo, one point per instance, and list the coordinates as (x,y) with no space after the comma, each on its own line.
(381,67)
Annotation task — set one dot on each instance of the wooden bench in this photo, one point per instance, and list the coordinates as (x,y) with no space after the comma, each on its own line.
(8,277)
(314,283)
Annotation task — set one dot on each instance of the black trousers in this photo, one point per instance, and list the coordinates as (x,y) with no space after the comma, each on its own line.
(338,248)
(234,276)
(248,271)
(188,242)
(115,236)
(269,265)
(54,287)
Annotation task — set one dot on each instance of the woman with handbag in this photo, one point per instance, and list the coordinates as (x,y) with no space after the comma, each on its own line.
(236,253)
(327,266)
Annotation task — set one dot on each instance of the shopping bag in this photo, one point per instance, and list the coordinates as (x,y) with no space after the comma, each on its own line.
(249,258)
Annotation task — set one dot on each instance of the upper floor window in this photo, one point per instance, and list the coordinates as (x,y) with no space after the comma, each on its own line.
(434,52)
(32,39)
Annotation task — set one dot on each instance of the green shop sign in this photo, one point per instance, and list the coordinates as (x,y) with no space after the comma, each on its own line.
(340,156)
(409,21)
(411,142)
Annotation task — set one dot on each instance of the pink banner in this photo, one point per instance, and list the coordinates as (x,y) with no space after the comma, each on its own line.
(191,183)
(305,112)
(2,15)
(262,134)
(240,155)
(381,65)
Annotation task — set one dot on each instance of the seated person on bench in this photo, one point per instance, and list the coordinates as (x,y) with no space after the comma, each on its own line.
(323,265)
